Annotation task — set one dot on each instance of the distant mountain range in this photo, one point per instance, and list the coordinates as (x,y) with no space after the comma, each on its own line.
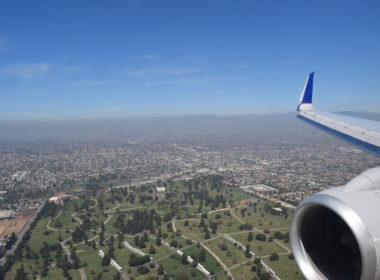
(266,125)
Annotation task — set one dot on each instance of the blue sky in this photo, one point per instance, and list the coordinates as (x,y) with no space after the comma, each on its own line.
(86,59)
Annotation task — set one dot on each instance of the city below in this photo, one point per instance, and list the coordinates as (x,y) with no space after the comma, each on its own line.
(275,169)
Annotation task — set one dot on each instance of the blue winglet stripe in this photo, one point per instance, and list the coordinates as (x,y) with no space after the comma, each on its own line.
(370,148)
(308,93)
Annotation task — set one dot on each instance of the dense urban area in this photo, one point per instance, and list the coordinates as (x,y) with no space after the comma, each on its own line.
(196,206)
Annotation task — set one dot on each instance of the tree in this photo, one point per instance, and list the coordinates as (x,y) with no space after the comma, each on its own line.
(261,237)
(136,261)
(246,227)
(250,237)
(106,260)
(152,250)
(279,235)
(143,270)
(202,256)
(174,243)
(136,240)
(160,270)
(21,274)
(142,243)
(274,257)
(265,276)
(184,259)
(247,251)
(207,235)
(100,204)
(223,247)
(158,241)
(76,263)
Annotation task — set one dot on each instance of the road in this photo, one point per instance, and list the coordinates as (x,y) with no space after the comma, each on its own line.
(48,223)
(225,268)
(83,275)
(261,231)
(67,251)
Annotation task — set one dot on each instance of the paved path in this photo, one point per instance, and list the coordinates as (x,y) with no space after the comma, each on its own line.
(79,220)
(261,231)
(64,247)
(239,264)
(112,209)
(225,268)
(95,204)
(237,218)
(108,219)
(48,223)
(83,275)
(82,272)
(124,276)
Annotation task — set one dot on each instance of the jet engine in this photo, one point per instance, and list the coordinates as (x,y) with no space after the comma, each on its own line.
(335,234)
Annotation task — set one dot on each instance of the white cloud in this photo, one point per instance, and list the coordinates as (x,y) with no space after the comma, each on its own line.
(26,71)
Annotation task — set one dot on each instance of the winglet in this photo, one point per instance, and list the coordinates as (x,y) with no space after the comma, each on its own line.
(306,100)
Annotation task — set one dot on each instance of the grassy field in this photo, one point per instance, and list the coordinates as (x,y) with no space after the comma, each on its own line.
(260,248)
(172,265)
(41,234)
(244,272)
(261,219)
(211,264)
(192,231)
(231,256)
(161,251)
(179,207)
(226,224)
(30,265)
(285,268)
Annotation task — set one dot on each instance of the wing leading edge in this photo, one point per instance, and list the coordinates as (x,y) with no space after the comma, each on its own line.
(361,133)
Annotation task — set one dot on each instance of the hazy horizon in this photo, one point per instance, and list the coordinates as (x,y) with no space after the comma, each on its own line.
(265,125)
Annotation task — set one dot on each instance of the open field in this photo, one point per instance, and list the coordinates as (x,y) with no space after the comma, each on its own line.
(285,268)
(261,218)
(211,264)
(230,256)
(8,227)
(260,248)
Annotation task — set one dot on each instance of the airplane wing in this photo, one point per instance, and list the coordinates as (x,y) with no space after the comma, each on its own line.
(361,133)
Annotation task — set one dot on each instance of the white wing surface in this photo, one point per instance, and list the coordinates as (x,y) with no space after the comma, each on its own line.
(361,133)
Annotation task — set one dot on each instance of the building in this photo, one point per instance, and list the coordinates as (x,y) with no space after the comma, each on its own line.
(58,199)
(6,214)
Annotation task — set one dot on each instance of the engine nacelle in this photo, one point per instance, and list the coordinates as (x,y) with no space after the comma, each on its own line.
(335,234)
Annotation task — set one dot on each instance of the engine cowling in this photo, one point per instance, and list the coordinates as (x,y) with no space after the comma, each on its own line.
(335,234)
